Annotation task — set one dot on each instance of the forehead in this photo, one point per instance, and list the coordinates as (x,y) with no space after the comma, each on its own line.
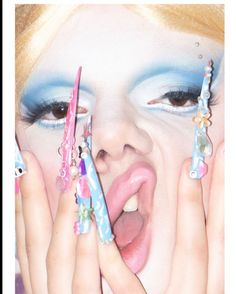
(111,37)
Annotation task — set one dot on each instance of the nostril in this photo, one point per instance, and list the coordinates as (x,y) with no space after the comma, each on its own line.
(128,147)
(101,154)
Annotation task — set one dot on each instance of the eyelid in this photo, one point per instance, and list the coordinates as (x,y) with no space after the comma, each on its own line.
(157,86)
(57,123)
(34,113)
(171,108)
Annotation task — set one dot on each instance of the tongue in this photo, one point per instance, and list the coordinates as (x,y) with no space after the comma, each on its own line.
(127,227)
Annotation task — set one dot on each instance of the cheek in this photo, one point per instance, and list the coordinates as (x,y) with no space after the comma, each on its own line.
(44,145)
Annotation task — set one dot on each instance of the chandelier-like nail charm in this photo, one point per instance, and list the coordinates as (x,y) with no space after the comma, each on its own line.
(202,146)
(67,150)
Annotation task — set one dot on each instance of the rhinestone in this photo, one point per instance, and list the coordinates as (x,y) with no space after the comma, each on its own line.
(84,155)
(73,170)
(207,94)
(208,68)
(204,144)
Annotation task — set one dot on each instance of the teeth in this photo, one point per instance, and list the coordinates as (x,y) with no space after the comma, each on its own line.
(131,204)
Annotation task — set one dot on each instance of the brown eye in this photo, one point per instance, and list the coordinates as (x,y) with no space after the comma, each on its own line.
(180,98)
(178,102)
(177,98)
(59,111)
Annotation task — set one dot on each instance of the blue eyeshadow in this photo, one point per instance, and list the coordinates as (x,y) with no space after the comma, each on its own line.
(43,88)
(193,74)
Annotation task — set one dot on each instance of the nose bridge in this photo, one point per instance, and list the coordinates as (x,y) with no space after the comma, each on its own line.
(114,128)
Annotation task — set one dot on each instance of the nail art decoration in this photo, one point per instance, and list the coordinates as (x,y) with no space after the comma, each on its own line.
(98,199)
(67,149)
(202,146)
(20,168)
(83,199)
(89,195)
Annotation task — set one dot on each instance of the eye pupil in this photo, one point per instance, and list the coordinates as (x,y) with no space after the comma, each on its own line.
(178,102)
(60,111)
(180,98)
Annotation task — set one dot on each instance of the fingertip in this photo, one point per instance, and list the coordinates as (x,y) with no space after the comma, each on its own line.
(186,166)
(185,173)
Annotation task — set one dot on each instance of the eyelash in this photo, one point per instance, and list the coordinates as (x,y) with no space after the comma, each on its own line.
(181,96)
(35,114)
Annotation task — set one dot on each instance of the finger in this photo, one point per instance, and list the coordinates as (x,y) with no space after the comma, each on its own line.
(116,272)
(87,274)
(215,226)
(21,246)
(61,254)
(37,221)
(190,257)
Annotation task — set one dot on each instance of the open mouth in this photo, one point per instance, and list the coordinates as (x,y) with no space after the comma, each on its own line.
(130,201)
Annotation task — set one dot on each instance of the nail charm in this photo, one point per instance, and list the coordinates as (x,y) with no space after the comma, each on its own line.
(202,145)
(83,199)
(67,149)
(20,168)
(98,199)
(89,195)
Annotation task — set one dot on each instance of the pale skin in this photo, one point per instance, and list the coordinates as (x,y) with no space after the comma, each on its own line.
(187,238)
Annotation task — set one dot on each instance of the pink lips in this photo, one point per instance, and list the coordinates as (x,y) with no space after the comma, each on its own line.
(139,179)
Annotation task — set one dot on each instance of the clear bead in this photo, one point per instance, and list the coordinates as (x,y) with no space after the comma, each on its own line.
(204,144)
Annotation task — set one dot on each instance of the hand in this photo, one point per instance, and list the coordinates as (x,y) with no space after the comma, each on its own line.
(54,260)
(198,261)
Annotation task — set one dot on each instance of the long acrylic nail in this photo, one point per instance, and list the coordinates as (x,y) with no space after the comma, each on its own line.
(202,146)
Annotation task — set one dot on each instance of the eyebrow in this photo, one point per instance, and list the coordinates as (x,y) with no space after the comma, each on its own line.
(38,87)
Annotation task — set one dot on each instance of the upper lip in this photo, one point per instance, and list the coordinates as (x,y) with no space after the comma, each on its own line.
(139,176)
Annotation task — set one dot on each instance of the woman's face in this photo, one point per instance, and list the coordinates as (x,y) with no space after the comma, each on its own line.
(141,82)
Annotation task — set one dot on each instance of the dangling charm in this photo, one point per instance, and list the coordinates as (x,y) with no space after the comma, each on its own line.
(202,145)
(73,166)
(67,149)
(98,200)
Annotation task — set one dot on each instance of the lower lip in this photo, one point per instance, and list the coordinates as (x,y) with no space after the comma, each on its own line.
(140,178)
(136,253)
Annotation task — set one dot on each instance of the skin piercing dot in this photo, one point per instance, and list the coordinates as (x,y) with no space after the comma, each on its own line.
(197,44)
(200,56)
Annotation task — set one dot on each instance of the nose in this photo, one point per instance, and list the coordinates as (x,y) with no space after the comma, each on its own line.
(117,130)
